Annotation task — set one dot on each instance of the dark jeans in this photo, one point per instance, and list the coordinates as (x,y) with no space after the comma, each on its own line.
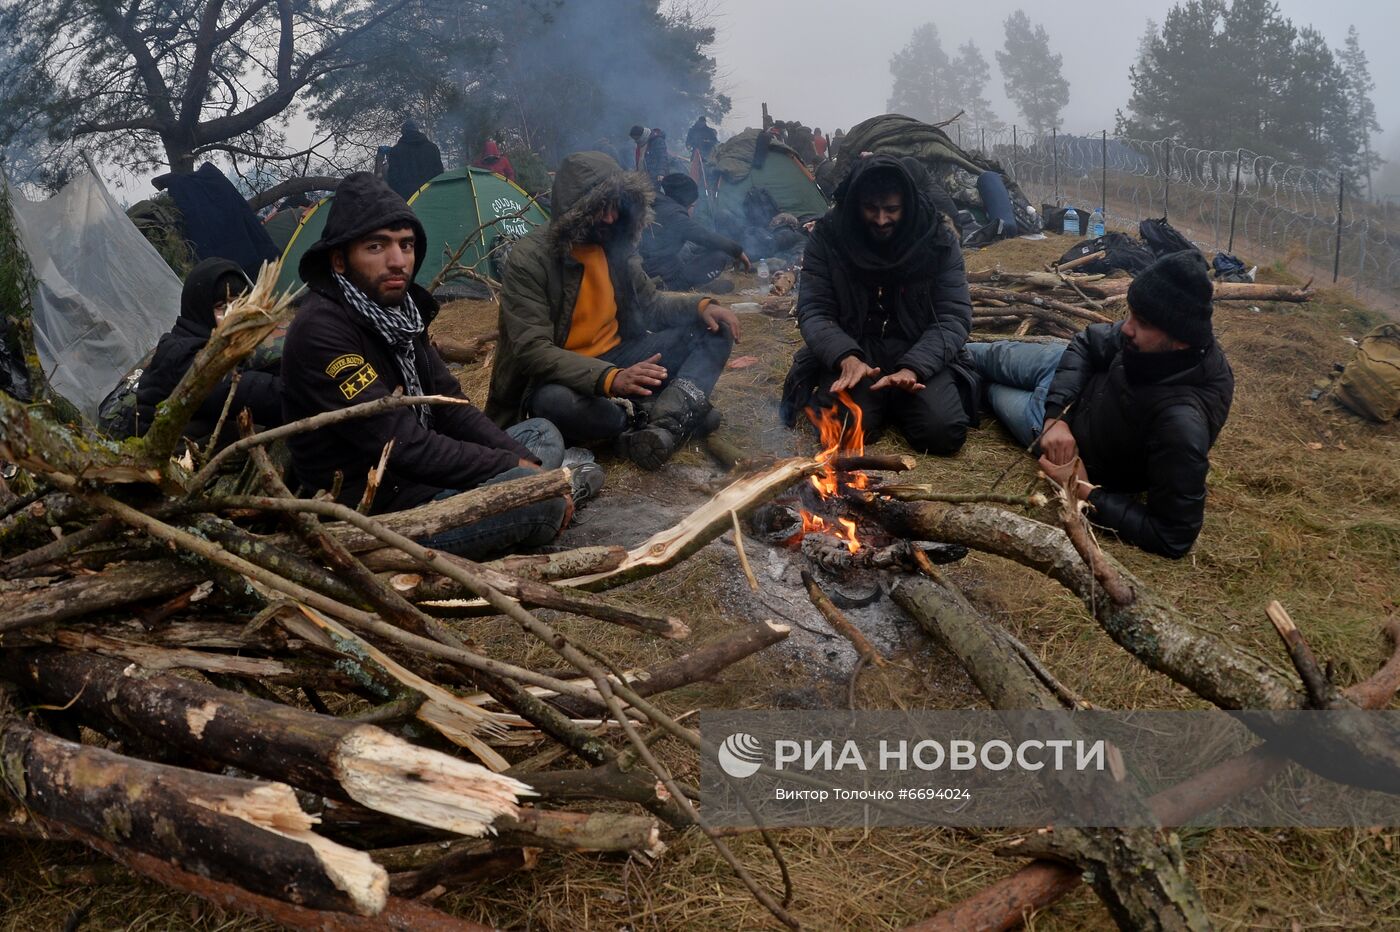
(1018,377)
(696,268)
(521,528)
(690,352)
(933,420)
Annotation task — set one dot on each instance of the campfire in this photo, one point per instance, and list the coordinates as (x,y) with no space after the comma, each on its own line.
(840,433)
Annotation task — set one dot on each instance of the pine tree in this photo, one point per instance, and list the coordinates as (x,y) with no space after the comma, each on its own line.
(925,85)
(1176,81)
(973,73)
(1031,73)
(1361,110)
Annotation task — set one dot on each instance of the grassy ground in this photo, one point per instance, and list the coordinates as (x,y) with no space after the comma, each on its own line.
(1304,507)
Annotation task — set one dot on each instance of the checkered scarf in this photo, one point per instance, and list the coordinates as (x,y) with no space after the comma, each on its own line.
(399,327)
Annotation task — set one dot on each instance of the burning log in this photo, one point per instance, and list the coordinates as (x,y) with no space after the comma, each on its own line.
(835,554)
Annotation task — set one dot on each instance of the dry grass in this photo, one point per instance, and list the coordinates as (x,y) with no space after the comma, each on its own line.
(1304,507)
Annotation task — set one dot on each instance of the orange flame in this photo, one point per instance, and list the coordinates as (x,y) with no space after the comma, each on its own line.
(838,434)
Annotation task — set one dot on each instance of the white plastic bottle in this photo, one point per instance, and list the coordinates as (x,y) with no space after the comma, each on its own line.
(763,269)
(1072,222)
(1096,223)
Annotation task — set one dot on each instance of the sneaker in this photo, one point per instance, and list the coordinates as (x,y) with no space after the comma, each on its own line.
(587,481)
(577,456)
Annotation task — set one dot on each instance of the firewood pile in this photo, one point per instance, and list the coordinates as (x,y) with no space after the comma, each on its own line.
(248,696)
(1060,302)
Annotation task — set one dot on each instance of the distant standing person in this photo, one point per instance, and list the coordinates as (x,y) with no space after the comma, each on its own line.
(651,154)
(834,145)
(492,160)
(702,136)
(819,144)
(413,161)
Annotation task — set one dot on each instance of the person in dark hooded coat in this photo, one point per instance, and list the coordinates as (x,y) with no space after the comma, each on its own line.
(412,162)
(210,287)
(884,312)
(663,247)
(362,333)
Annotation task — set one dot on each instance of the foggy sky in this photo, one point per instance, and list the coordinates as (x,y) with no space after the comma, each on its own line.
(826,63)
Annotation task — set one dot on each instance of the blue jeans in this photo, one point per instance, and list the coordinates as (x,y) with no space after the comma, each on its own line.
(688,352)
(1018,376)
(525,527)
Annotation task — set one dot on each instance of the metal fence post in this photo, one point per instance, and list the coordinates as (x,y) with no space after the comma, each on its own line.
(1361,262)
(1055,153)
(1341,200)
(1167,197)
(1013,151)
(1235,198)
(1103,185)
(983,150)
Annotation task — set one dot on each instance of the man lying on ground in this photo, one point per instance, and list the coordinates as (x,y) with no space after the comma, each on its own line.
(884,312)
(362,333)
(210,288)
(663,247)
(587,341)
(1126,408)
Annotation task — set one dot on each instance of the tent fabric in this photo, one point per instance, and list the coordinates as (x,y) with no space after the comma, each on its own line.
(281,226)
(782,175)
(218,221)
(896,134)
(104,295)
(450,207)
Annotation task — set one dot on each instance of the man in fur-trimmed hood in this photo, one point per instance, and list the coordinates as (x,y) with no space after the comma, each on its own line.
(587,341)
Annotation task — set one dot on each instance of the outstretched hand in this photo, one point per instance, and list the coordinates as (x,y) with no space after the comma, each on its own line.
(902,379)
(639,378)
(852,371)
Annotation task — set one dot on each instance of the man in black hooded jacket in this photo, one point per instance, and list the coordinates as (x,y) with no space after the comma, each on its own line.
(412,162)
(363,332)
(1127,408)
(884,311)
(209,288)
(672,228)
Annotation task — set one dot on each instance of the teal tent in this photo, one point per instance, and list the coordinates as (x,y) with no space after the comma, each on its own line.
(462,203)
(782,174)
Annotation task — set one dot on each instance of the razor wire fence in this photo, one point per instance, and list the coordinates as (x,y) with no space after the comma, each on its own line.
(1252,205)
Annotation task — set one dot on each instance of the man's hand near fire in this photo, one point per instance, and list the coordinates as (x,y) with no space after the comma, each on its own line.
(853,369)
(902,379)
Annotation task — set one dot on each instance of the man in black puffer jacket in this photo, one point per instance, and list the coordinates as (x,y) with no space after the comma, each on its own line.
(673,227)
(361,333)
(1130,408)
(210,287)
(884,312)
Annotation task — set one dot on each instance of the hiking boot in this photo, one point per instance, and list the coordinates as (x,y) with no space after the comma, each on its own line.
(586,481)
(678,411)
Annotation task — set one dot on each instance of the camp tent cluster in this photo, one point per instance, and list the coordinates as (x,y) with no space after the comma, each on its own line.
(456,205)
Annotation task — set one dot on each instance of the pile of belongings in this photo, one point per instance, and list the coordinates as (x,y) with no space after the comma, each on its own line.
(761,195)
(1158,238)
(981,192)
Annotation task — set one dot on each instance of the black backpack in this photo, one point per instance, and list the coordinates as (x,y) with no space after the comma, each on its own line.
(1120,250)
(1162,238)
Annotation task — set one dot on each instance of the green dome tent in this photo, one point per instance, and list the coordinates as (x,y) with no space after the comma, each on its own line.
(450,207)
(282,226)
(782,174)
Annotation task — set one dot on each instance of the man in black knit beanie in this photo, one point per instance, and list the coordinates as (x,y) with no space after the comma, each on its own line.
(1126,414)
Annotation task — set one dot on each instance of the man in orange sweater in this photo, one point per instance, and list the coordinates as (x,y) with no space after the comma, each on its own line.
(588,342)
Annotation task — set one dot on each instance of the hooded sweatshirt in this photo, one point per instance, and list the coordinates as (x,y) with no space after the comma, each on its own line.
(334,358)
(492,160)
(209,283)
(544,279)
(903,304)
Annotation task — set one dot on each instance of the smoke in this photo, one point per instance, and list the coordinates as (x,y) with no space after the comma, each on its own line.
(588,70)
